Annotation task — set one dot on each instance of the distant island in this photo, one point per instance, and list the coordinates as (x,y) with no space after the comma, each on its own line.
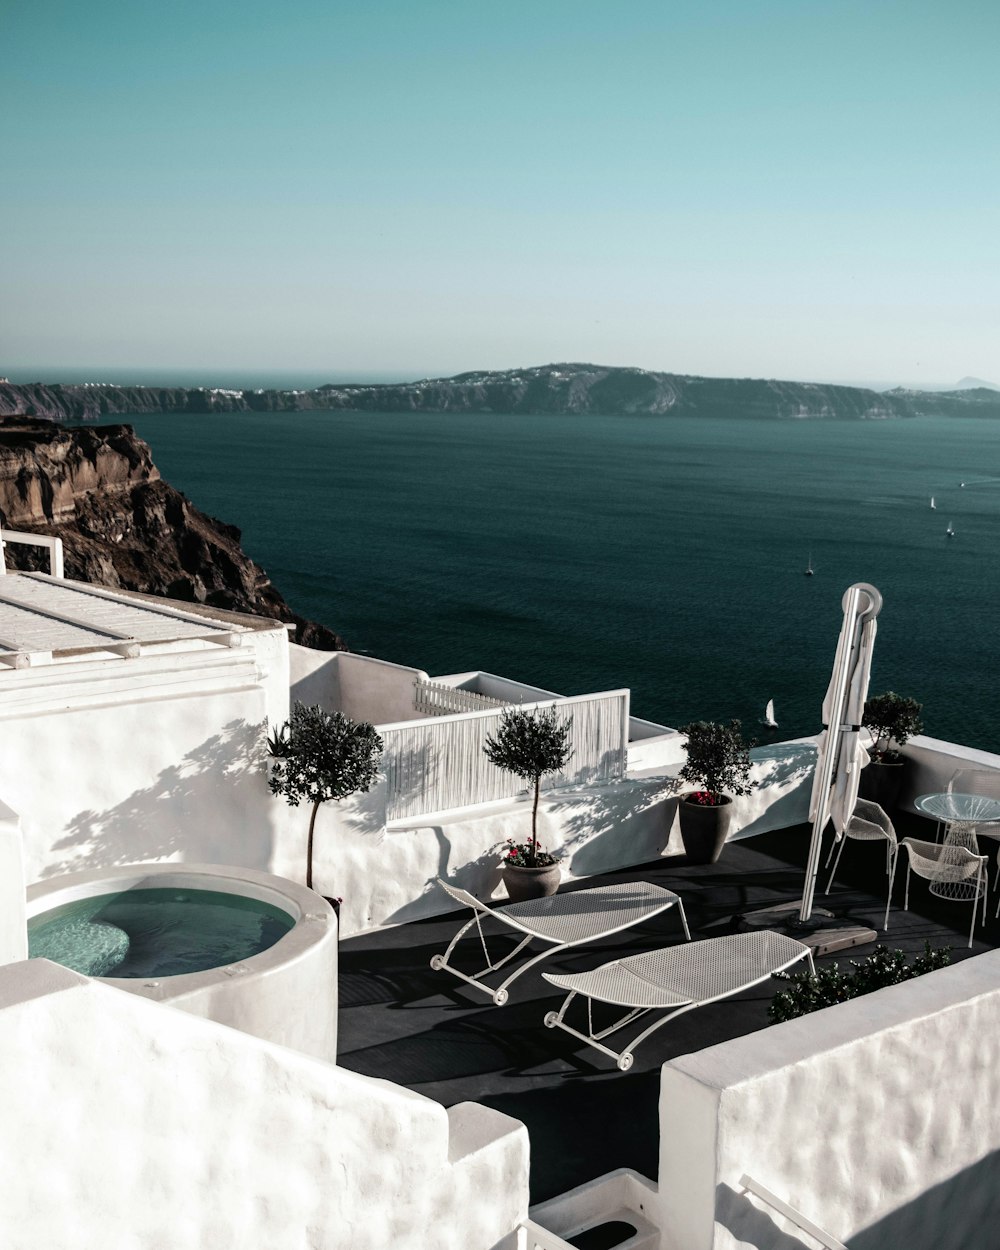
(558,389)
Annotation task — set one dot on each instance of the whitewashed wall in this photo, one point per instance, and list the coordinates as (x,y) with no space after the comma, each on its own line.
(931,763)
(13,938)
(388,875)
(360,686)
(879,1119)
(131,1125)
(115,761)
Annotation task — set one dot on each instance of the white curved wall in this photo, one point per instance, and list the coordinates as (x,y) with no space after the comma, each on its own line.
(286,994)
(131,1126)
(879,1119)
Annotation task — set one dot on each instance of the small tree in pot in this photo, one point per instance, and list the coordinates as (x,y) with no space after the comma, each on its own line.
(530,745)
(892,719)
(718,762)
(318,756)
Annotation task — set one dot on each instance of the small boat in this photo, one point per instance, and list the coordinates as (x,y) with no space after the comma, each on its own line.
(933,504)
(769,720)
(809,566)
(950,531)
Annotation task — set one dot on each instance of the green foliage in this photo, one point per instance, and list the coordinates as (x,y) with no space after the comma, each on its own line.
(810,991)
(718,759)
(320,755)
(323,755)
(279,745)
(530,745)
(892,719)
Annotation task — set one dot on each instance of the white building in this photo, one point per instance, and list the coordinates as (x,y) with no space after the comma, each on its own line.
(131,732)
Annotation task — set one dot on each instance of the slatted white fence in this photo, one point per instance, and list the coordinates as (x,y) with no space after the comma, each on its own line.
(439,764)
(433,698)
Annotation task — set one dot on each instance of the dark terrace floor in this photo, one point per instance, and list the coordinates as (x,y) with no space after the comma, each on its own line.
(428,1031)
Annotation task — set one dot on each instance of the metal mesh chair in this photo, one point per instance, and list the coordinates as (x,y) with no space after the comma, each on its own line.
(984,782)
(561,920)
(676,979)
(954,873)
(869,823)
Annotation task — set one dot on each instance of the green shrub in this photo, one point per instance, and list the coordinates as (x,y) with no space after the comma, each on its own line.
(718,760)
(892,719)
(809,991)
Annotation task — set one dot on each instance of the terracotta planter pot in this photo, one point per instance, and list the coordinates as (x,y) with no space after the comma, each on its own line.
(525,883)
(704,829)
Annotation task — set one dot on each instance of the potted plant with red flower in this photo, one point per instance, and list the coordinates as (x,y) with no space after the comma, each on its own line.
(530,744)
(718,763)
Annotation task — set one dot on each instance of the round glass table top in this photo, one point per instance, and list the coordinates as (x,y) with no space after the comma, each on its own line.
(959,808)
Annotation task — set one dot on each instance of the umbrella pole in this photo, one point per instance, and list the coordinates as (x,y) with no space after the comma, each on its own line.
(831,754)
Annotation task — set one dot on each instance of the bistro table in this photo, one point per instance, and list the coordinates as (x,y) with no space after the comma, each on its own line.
(961,814)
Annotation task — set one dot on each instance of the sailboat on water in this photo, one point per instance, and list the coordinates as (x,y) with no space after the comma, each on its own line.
(950,531)
(769,720)
(809,566)
(933,504)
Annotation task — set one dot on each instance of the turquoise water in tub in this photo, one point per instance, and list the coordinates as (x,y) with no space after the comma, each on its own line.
(155,932)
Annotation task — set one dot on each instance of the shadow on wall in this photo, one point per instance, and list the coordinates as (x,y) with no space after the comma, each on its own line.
(960,1213)
(624,824)
(198,808)
(752,1226)
(784,765)
(479,876)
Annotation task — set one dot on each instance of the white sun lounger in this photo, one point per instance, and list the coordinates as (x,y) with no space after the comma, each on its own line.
(562,920)
(676,979)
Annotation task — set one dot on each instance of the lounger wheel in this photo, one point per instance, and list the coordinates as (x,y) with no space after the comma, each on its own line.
(437,962)
(624,1062)
(551,1019)
(500,997)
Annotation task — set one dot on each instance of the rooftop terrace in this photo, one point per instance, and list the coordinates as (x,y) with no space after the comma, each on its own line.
(402,1021)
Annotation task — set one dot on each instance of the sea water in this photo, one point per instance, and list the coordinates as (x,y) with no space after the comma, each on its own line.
(589,553)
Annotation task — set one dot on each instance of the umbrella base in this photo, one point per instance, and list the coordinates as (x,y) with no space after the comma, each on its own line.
(824,932)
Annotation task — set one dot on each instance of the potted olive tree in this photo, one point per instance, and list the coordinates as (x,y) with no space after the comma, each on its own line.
(718,763)
(530,745)
(891,719)
(317,756)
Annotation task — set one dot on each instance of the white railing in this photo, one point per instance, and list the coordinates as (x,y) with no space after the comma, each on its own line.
(437,765)
(790,1213)
(434,699)
(54,545)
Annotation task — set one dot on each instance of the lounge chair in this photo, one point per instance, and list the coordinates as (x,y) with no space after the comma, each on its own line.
(562,920)
(676,979)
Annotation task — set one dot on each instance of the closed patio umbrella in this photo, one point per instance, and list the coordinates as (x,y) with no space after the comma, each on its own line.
(840,755)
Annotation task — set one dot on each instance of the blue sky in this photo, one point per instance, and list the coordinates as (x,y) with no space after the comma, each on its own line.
(750,187)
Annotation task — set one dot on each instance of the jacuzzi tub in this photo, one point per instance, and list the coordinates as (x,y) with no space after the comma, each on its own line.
(285,994)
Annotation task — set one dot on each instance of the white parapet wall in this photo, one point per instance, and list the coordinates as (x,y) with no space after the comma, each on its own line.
(130,1124)
(360,686)
(115,761)
(13,936)
(877,1119)
(931,763)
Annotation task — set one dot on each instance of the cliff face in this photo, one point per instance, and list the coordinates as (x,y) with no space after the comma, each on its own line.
(549,389)
(122,526)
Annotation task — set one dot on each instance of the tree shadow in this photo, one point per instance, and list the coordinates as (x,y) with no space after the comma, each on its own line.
(604,829)
(191,810)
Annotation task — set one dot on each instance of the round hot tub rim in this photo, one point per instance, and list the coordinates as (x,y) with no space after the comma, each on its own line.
(314,920)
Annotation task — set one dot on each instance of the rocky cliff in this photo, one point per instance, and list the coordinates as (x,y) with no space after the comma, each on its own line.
(100,492)
(548,389)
